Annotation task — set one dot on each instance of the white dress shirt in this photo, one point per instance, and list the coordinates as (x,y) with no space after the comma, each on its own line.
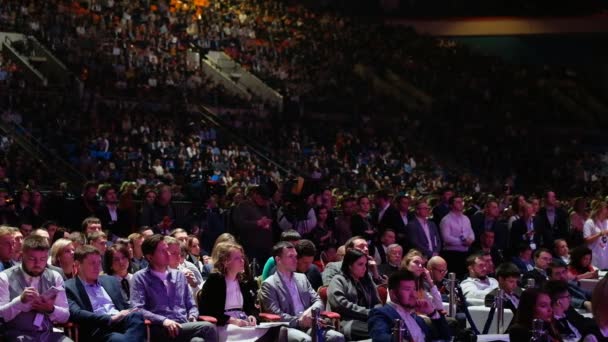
(453,226)
(9,309)
(477,288)
(412,326)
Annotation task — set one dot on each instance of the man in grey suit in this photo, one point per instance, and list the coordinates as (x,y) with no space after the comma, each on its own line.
(423,233)
(289,295)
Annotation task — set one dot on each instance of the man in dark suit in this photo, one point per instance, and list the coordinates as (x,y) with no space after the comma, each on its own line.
(421,229)
(403,306)
(526,230)
(508,276)
(580,299)
(488,220)
(386,216)
(83,207)
(97,305)
(570,324)
(552,220)
(542,259)
(112,218)
(443,207)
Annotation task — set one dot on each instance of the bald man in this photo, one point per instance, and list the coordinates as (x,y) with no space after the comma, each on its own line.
(438,268)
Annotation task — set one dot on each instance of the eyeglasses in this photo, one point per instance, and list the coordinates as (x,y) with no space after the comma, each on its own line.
(440,271)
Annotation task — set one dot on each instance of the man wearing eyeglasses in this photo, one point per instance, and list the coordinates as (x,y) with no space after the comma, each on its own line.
(423,234)
(571,325)
(438,268)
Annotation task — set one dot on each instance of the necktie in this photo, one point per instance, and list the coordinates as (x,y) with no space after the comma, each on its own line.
(124,283)
(565,327)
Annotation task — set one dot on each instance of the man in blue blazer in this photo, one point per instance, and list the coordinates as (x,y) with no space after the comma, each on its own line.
(417,230)
(404,305)
(97,305)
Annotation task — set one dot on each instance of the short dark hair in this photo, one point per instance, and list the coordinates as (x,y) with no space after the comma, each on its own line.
(306,248)
(451,200)
(47,224)
(89,220)
(290,235)
(555,288)
(35,243)
(507,270)
(541,250)
(556,263)
(83,251)
(350,257)
(522,247)
(577,254)
(383,194)
(148,247)
(277,249)
(398,277)
(471,258)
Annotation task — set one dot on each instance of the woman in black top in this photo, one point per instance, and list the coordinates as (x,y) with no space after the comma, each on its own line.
(533,304)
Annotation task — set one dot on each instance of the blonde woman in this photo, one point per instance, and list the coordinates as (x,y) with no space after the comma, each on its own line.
(595,232)
(415,262)
(229,296)
(62,255)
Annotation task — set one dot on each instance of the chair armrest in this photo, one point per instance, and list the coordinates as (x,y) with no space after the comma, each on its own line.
(330,314)
(147,322)
(268,317)
(209,319)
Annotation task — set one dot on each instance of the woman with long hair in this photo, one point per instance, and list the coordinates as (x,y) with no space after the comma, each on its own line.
(414,262)
(352,293)
(533,304)
(580,264)
(229,296)
(595,232)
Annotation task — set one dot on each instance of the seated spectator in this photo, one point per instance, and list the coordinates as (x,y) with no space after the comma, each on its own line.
(180,234)
(438,268)
(414,262)
(306,253)
(97,305)
(289,236)
(289,295)
(62,256)
(7,244)
(542,259)
(600,313)
(230,297)
(394,253)
(387,238)
(78,239)
(90,225)
(352,293)
(561,251)
(477,285)
(98,240)
(523,259)
(138,262)
(508,277)
(358,243)
(405,305)
(17,252)
(581,299)
(177,261)
(164,297)
(534,304)
(580,264)
(116,263)
(329,254)
(194,253)
(225,237)
(570,324)
(28,312)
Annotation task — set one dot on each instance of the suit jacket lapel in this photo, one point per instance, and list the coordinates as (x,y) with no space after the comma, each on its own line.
(422,233)
(82,293)
(106,283)
(281,286)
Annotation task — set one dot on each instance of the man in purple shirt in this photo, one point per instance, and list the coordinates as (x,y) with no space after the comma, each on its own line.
(164,297)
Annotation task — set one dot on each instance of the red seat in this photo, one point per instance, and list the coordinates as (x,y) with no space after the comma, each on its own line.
(333,316)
